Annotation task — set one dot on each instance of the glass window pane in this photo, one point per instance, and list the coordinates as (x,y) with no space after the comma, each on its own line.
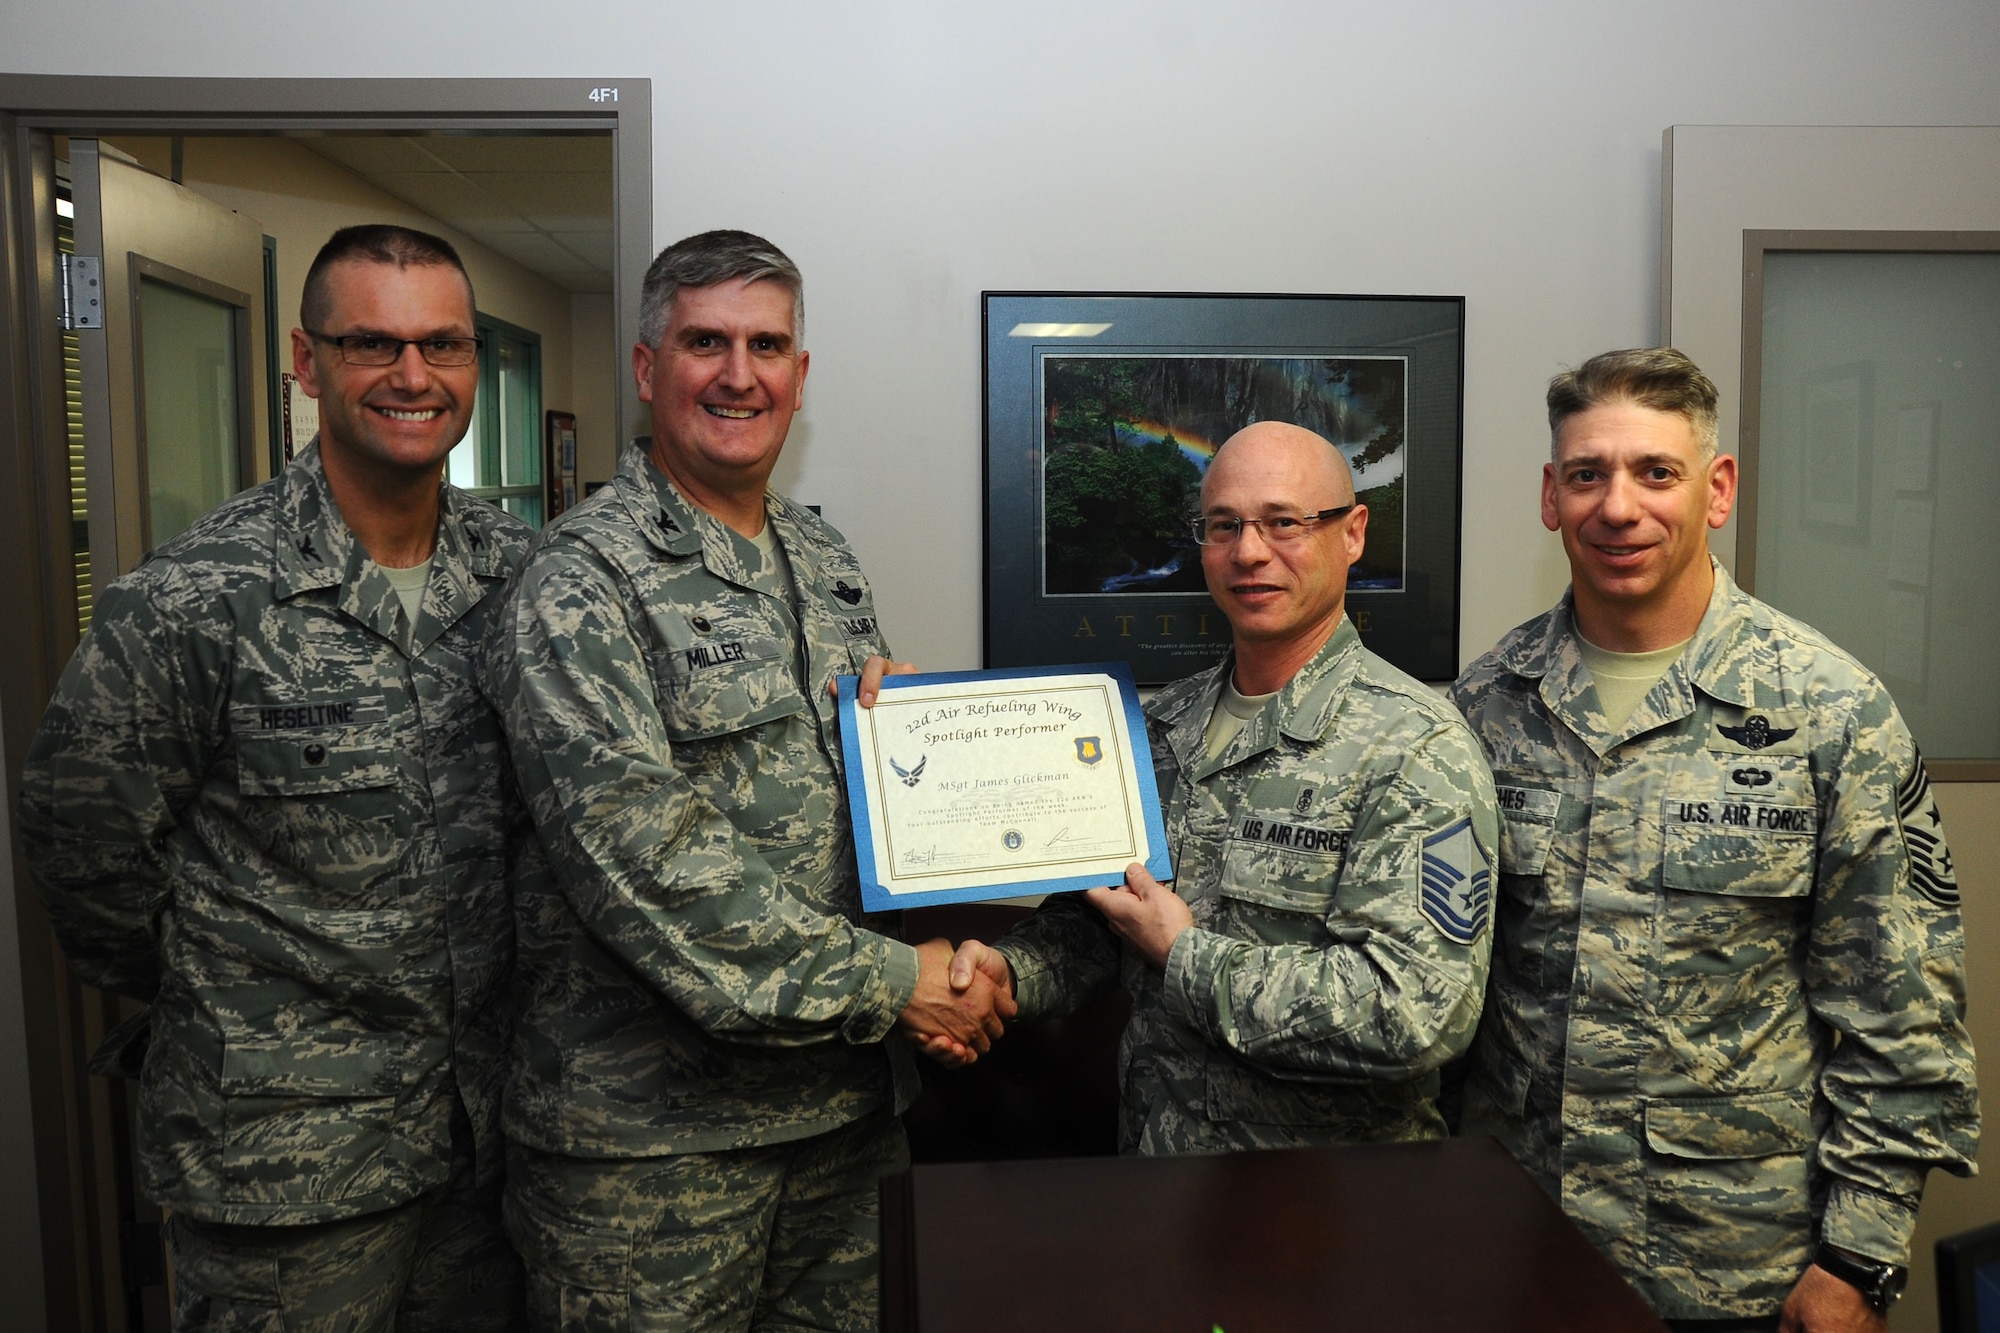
(462,463)
(520,440)
(1877,474)
(190,363)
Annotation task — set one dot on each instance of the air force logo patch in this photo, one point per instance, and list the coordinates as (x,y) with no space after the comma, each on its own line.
(1457,892)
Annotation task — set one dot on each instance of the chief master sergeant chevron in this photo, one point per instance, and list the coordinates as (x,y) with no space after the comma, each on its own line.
(1725,1020)
(1323,950)
(268,798)
(702,1099)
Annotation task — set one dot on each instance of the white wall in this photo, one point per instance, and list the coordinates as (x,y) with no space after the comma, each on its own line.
(909,155)
(597,374)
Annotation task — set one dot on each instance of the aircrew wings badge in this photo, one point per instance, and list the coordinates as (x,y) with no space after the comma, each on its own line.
(1457,884)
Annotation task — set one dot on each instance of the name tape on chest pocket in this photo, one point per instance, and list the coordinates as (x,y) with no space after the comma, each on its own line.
(302,715)
(1749,816)
(704,655)
(1528,802)
(1298,837)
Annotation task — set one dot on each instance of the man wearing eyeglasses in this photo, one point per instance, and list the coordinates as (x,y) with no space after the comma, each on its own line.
(269,800)
(1322,952)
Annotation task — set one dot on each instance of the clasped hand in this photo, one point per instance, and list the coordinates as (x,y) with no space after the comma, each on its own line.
(1142,911)
(956,1020)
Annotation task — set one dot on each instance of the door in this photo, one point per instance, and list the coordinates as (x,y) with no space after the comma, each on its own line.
(173,377)
(169,328)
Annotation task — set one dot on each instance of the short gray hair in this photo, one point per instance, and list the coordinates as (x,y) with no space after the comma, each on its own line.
(1661,378)
(706,259)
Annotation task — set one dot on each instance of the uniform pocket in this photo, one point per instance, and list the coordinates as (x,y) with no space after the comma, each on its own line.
(309,1116)
(222,1287)
(1527,827)
(1728,1184)
(1276,894)
(329,808)
(713,689)
(308,764)
(578,1276)
(1770,856)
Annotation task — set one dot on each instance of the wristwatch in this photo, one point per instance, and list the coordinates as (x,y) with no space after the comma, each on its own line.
(1879,1283)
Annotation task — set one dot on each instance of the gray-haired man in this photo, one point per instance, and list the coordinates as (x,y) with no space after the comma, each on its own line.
(703,1097)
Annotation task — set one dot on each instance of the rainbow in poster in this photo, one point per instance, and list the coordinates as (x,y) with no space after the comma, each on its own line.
(1126,440)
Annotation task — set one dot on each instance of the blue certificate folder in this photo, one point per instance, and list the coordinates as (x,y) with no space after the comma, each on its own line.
(1125,755)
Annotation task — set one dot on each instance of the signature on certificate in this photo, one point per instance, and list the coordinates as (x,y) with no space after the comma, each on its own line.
(923,858)
(1062,838)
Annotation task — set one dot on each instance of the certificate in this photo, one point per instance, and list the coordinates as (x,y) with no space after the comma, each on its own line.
(991,784)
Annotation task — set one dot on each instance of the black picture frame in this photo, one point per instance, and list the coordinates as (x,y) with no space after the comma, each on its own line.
(1081,563)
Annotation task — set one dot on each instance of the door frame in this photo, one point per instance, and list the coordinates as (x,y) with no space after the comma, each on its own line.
(61,1251)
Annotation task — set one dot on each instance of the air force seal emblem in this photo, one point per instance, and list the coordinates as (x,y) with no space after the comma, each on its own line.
(1089,749)
(1457,889)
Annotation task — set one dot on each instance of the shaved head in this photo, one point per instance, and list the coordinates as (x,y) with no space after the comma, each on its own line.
(1284,597)
(1309,456)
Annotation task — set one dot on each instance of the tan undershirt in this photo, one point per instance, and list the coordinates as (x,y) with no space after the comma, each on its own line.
(1233,712)
(1624,680)
(776,566)
(409,585)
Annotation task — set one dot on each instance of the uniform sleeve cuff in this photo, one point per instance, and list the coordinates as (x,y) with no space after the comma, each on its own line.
(1194,990)
(1875,1226)
(1034,988)
(895,987)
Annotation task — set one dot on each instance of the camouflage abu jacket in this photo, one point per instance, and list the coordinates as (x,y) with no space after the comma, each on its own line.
(694,975)
(1727,994)
(264,800)
(1337,862)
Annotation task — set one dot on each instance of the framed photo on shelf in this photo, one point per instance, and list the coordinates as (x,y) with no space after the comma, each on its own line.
(1102,411)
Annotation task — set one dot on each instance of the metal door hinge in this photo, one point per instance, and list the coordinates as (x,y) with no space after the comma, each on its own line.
(82,292)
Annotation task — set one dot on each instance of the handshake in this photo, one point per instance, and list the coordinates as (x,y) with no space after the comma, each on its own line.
(964,1000)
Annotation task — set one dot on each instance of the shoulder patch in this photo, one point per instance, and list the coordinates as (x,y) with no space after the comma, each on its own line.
(1931,872)
(1456,885)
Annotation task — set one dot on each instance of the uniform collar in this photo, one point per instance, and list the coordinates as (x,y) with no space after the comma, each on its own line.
(669,522)
(1303,709)
(315,549)
(1720,661)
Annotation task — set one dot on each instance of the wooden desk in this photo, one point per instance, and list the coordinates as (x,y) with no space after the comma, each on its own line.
(1409,1237)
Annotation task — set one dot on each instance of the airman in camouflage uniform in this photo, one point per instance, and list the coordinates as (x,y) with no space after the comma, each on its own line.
(702,1099)
(1327,950)
(1725,1019)
(269,799)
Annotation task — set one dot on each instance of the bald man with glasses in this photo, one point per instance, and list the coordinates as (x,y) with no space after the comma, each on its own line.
(1323,950)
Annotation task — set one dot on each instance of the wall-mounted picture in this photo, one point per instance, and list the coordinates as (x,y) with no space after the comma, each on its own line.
(1127,439)
(1103,412)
